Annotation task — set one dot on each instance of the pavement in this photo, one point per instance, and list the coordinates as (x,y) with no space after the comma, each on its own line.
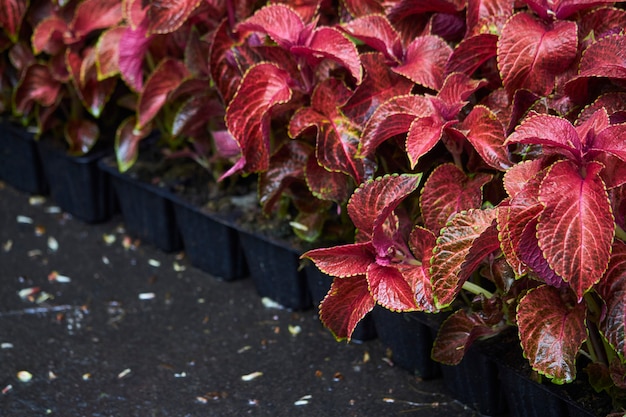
(95,323)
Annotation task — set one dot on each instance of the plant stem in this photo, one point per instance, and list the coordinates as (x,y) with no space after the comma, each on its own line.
(476,289)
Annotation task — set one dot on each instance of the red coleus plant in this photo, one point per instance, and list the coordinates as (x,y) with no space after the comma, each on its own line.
(60,75)
(527,222)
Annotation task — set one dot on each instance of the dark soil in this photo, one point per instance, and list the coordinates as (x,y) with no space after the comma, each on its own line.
(136,332)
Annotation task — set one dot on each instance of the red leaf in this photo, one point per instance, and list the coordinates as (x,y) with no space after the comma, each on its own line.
(421,243)
(604,58)
(36,86)
(576,227)
(612,289)
(278,21)
(389,288)
(485,132)
(221,54)
(553,131)
(456,335)
(562,9)
(532,53)
(343,261)
(358,8)
(394,117)
(376,32)
(327,185)
(448,191)
(425,61)
(517,178)
(165,16)
(134,12)
(93,93)
(133,47)
(423,135)
(92,15)
(379,85)
(167,76)
(373,202)
(81,135)
(330,43)
(48,35)
(347,302)
(551,330)
(471,53)
(482,11)
(247,117)
(107,52)
(13,12)
(452,252)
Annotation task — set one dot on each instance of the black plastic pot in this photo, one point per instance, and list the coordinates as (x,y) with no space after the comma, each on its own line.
(147,210)
(409,339)
(275,271)
(319,283)
(77,185)
(20,165)
(210,244)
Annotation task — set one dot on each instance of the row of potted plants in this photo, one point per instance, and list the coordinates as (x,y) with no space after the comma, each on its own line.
(456,159)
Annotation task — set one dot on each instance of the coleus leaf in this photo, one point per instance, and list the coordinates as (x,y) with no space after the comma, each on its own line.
(325,184)
(453,260)
(280,22)
(163,81)
(390,289)
(551,329)
(48,35)
(91,15)
(127,140)
(347,302)
(337,136)
(166,16)
(36,86)
(373,202)
(377,32)
(93,94)
(224,72)
(264,86)
(562,9)
(287,165)
(485,132)
(425,61)
(107,52)
(134,12)
(471,53)
(576,227)
(458,332)
(13,12)
(358,8)
(81,135)
(343,261)
(605,58)
(195,114)
(421,243)
(379,85)
(449,190)
(133,46)
(531,53)
(330,43)
(394,117)
(486,13)
(612,289)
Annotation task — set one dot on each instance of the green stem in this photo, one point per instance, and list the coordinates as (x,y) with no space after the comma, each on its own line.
(476,289)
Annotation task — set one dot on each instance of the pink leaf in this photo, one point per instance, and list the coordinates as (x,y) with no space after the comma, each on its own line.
(551,332)
(133,46)
(576,227)
(453,249)
(281,23)
(532,53)
(166,77)
(447,191)
(425,61)
(91,15)
(13,12)
(394,117)
(347,302)
(485,132)
(247,117)
(372,203)
(81,135)
(48,35)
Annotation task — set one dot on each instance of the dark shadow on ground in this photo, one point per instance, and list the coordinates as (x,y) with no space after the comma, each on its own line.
(136,332)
